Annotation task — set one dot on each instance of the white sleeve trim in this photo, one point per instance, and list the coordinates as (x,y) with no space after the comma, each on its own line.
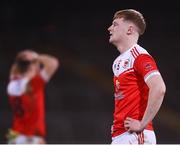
(44,75)
(150,74)
(17,87)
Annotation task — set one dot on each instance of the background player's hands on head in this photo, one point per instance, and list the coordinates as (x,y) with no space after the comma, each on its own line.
(132,125)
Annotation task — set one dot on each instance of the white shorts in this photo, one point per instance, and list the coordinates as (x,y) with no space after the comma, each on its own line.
(23,139)
(146,137)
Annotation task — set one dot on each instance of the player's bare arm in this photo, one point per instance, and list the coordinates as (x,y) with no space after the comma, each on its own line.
(50,64)
(157,90)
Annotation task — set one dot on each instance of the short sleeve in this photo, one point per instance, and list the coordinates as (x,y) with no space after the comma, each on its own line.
(17,87)
(145,66)
(44,75)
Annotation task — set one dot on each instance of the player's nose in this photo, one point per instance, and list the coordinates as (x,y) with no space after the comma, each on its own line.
(110,28)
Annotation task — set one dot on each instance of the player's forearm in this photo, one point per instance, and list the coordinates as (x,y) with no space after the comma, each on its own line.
(155,99)
(48,60)
(50,64)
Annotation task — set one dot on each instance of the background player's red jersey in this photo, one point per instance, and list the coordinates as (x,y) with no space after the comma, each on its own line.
(28,109)
(131,70)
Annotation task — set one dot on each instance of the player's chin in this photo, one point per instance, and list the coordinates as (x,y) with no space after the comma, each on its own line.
(110,40)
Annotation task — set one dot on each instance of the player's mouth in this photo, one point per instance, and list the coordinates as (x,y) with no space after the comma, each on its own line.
(110,34)
(110,37)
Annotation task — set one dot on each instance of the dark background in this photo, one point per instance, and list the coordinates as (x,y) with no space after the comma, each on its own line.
(79,98)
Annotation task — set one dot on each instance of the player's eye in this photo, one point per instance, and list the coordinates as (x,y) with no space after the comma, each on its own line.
(115,24)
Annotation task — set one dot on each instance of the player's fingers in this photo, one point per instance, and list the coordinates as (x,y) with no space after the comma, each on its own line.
(126,125)
(126,122)
(126,128)
(128,118)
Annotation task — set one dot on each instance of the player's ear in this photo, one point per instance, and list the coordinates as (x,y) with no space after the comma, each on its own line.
(130,30)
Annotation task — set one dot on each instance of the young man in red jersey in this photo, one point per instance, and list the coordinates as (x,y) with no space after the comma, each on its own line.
(139,87)
(28,76)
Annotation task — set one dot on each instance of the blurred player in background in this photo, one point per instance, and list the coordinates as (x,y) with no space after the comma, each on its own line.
(139,87)
(28,76)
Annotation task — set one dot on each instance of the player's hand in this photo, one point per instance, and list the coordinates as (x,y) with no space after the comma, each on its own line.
(133,125)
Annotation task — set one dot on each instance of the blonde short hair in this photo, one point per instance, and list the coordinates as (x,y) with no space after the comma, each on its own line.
(133,16)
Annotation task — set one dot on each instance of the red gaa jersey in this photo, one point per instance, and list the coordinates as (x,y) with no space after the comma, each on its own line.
(28,109)
(131,71)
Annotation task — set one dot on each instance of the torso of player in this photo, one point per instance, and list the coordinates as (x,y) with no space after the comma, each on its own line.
(131,92)
(29,109)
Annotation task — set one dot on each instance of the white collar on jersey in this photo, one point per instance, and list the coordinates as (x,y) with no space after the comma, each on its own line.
(125,52)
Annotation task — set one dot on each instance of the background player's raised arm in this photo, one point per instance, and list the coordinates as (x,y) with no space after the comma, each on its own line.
(50,65)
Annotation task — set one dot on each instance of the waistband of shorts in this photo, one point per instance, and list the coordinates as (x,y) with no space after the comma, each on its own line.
(129,133)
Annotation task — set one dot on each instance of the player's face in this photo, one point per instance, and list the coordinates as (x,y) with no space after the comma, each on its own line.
(33,58)
(118,30)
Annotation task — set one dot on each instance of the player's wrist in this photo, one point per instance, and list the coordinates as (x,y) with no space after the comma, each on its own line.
(142,125)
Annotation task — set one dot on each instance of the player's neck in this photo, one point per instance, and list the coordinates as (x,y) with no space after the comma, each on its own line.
(125,45)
